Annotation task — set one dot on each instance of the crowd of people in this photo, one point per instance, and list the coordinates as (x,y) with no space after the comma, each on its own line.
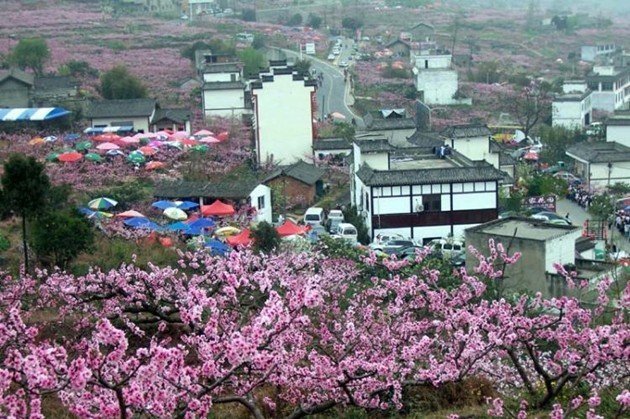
(580,196)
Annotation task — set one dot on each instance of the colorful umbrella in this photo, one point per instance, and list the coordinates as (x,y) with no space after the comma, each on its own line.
(100,215)
(115,153)
(186,205)
(147,151)
(217,247)
(83,145)
(155,144)
(201,148)
(202,223)
(107,146)
(141,222)
(224,135)
(130,214)
(178,226)
(242,239)
(50,139)
(70,157)
(130,140)
(52,156)
(289,228)
(188,142)
(37,141)
(153,165)
(194,231)
(226,231)
(72,137)
(174,144)
(175,214)
(107,137)
(210,140)
(203,133)
(102,203)
(179,135)
(136,158)
(164,204)
(93,157)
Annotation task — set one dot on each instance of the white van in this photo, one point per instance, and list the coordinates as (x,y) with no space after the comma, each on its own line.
(346,231)
(447,247)
(314,215)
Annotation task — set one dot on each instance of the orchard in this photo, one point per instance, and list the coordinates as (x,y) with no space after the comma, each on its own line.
(295,334)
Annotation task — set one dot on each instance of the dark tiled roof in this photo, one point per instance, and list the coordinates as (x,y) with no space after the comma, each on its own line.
(223,85)
(397,41)
(331,144)
(302,171)
(121,108)
(372,177)
(388,119)
(179,116)
(466,131)
(601,152)
(418,25)
(505,156)
(619,120)
(426,139)
(374,146)
(228,188)
(572,97)
(222,68)
(55,82)
(17,74)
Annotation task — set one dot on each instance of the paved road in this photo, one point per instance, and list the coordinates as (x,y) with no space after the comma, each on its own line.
(333,95)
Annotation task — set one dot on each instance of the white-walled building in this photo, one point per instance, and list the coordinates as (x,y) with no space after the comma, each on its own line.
(618,128)
(541,245)
(426,198)
(601,164)
(284,106)
(610,86)
(573,108)
(434,78)
(223,90)
(593,52)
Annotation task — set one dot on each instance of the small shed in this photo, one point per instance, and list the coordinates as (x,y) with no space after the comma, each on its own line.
(299,182)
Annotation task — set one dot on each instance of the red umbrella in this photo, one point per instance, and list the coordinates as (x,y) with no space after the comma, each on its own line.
(107,137)
(203,132)
(289,228)
(70,157)
(223,135)
(188,142)
(217,208)
(147,151)
(531,156)
(209,140)
(243,238)
(153,165)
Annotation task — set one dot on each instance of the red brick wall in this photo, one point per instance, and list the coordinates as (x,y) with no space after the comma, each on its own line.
(295,190)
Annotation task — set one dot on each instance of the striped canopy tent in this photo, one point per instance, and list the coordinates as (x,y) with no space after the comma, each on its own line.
(31,114)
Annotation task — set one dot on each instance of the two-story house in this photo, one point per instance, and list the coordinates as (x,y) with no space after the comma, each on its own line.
(223,90)
(434,77)
(610,86)
(284,107)
(573,108)
(393,124)
(15,88)
(425,197)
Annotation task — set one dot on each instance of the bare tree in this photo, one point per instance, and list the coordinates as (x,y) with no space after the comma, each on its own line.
(530,105)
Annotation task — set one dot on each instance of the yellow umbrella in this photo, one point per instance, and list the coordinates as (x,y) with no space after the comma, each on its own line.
(37,141)
(227,231)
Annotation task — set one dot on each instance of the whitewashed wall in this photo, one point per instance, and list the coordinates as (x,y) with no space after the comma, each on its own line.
(262,214)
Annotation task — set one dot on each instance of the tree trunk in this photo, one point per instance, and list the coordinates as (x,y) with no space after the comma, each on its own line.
(24,243)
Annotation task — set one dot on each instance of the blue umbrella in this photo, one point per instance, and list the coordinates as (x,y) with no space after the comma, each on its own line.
(86,211)
(194,231)
(217,247)
(141,222)
(202,223)
(186,205)
(164,204)
(180,225)
(71,137)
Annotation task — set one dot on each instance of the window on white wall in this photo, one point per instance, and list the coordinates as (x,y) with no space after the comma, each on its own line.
(432,203)
(480,186)
(387,191)
(261,202)
(468,187)
(457,187)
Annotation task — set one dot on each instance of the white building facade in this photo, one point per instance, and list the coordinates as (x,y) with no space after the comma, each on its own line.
(223,90)
(260,199)
(422,204)
(284,106)
(618,129)
(572,111)
(610,86)
(434,78)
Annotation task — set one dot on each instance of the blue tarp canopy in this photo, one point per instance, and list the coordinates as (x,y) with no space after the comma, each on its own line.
(31,114)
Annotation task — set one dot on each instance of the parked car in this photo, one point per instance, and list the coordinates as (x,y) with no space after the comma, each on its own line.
(394,246)
(314,215)
(381,239)
(569,177)
(334,218)
(552,217)
(331,57)
(346,231)
(343,64)
(447,248)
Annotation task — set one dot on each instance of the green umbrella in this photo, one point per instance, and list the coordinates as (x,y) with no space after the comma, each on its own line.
(83,145)
(52,156)
(93,157)
(144,141)
(66,150)
(136,158)
(201,148)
